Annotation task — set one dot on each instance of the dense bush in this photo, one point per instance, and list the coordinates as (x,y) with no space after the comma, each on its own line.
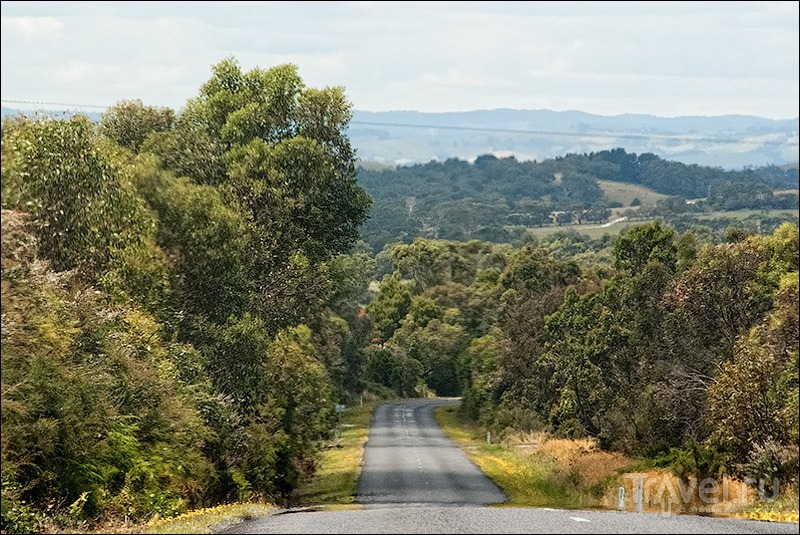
(155,352)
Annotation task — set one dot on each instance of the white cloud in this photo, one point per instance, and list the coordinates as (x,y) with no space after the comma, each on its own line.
(664,58)
(32,28)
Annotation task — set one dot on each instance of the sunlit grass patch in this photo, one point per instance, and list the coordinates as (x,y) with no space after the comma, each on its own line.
(772,516)
(202,520)
(784,509)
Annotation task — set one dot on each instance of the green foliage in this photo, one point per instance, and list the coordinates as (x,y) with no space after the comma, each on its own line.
(496,199)
(293,185)
(479,363)
(283,400)
(437,346)
(157,271)
(188,150)
(458,200)
(185,300)
(84,211)
(686,350)
(770,463)
(236,106)
(643,244)
(129,122)
(753,401)
(687,181)
(423,310)
(533,271)
(389,307)
(583,345)
(726,292)
(392,369)
(205,239)
(353,274)
(291,172)
(694,460)
(95,415)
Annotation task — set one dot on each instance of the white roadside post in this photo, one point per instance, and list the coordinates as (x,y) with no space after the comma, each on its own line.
(621,499)
(639,494)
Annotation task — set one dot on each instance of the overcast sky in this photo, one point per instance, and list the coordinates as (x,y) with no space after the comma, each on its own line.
(608,58)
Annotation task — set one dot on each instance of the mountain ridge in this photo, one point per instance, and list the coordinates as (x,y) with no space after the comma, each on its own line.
(729,141)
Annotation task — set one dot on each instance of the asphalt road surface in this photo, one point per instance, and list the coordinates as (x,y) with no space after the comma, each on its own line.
(414,480)
(408,460)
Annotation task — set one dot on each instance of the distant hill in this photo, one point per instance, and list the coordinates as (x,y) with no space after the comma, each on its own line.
(730,141)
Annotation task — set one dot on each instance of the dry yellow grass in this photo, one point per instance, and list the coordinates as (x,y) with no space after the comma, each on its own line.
(567,450)
(665,492)
(772,516)
(525,476)
(580,462)
(583,462)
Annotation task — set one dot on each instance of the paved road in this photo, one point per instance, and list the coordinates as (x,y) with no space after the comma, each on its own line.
(408,460)
(472,519)
(414,480)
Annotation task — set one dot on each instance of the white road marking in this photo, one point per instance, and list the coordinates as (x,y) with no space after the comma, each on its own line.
(579,519)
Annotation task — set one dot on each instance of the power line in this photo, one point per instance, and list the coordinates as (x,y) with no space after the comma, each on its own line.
(40,103)
(595,135)
(580,134)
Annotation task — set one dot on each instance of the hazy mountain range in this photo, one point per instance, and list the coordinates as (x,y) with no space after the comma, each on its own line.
(730,141)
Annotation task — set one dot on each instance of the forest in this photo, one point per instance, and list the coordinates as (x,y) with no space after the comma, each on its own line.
(187,296)
(494,199)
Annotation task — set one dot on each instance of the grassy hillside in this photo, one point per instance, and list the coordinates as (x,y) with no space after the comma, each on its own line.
(374,166)
(624,193)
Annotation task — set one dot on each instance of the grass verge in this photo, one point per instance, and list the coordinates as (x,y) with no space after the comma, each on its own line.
(336,479)
(537,470)
(207,520)
(528,480)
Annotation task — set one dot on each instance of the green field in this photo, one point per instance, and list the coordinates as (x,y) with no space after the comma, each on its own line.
(593,230)
(624,193)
